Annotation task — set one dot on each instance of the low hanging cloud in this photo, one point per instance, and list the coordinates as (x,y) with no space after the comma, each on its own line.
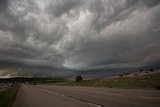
(59,37)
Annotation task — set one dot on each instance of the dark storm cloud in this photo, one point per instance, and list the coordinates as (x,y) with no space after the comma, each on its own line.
(58,36)
(150,3)
(3,5)
(57,8)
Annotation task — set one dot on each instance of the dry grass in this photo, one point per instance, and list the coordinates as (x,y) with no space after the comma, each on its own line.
(147,81)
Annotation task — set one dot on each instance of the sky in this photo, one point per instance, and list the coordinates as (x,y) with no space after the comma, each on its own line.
(67,37)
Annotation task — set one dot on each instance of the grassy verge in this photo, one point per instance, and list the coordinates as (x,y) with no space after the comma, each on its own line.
(7,96)
(148,81)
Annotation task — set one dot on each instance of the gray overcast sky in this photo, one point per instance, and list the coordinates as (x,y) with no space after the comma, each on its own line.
(59,37)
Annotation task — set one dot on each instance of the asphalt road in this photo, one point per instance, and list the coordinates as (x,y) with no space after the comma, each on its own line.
(70,96)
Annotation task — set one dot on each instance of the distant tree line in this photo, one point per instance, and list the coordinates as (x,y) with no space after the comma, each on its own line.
(30,80)
(146,71)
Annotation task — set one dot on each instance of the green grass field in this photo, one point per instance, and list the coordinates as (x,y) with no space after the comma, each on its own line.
(147,81)
(7,96)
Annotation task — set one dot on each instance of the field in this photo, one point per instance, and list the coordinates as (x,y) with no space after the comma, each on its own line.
(147,81)
(140,80)
(7,96)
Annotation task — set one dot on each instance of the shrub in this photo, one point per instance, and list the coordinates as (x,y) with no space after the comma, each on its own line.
(79,78)
(141,70)
(127,73)
(158,87)
(151,70)
(135,74)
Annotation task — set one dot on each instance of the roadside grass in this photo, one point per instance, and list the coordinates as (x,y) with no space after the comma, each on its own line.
(7,96)
(148,81)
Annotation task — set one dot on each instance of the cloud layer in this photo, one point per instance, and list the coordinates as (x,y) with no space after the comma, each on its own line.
(56,37)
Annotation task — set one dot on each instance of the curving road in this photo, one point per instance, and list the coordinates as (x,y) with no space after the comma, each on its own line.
(71,96)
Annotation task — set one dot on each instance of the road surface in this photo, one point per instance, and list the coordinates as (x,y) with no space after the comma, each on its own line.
(71,96)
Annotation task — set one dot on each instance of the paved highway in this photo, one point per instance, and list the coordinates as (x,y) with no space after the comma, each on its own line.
(71,96)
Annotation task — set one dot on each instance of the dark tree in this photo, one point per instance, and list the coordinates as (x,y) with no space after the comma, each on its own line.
(141,70)
(79,78)
(158,87)
(121,75)
(151,70)
(135,74)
